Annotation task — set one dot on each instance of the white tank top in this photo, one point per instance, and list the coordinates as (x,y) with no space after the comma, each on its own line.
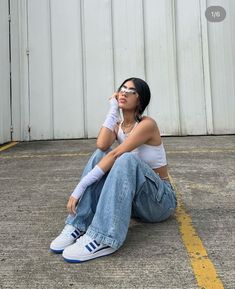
(154,156)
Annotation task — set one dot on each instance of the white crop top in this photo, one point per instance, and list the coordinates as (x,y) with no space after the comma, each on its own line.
(154,156)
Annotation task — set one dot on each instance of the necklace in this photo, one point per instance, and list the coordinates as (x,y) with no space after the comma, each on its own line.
(128,127)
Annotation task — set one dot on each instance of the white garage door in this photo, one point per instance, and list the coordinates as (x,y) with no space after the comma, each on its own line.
(75,53)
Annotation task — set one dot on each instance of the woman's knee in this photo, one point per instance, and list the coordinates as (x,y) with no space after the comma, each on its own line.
(95,158)
(100,153)
(126,159)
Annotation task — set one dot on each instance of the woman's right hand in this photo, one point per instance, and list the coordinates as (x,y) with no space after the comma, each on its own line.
(115,95)
(71,205)
(113,101)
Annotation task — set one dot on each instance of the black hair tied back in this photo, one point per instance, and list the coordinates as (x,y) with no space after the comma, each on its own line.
(144,93)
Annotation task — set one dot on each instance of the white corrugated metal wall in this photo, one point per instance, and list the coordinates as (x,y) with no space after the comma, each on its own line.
(69,56)
(5,105)
(222,69)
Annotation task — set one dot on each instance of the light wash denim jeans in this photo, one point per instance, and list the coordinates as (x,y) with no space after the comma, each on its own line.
(130,189)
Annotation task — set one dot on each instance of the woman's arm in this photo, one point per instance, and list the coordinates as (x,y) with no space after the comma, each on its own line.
(107,133)
(105,138)
(140,135)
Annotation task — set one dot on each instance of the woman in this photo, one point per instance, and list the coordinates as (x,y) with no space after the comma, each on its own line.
(128,181)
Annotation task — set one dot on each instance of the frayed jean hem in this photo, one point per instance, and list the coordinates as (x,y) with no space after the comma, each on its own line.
(101,238)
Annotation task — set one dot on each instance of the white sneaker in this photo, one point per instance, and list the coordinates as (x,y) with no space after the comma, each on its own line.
(67,237)
(86,249)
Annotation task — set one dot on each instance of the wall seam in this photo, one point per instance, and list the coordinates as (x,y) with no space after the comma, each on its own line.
(204,41)
(144,47)
(84,87)
(175,48)
(112,39)
(52,74)
(28,71)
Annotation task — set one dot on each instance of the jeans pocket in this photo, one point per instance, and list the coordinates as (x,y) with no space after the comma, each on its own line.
(155,185)
(171,193)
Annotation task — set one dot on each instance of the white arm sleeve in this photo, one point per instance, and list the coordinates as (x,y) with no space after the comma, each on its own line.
(113,116)
(93,176)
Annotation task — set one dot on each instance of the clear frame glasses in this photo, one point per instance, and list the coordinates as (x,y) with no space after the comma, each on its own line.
(128,91)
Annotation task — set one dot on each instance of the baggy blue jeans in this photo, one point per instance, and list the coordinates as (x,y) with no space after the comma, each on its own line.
(130,189)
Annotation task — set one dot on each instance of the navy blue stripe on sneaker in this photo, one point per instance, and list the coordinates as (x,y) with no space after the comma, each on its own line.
(96,243)
(77,232)
(92,245)
(88,248)
(75,236)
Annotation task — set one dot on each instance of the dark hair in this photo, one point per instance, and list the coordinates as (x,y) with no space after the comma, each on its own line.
(144,93)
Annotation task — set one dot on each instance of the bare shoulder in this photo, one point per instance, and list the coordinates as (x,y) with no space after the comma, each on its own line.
(151,124)
(149,121)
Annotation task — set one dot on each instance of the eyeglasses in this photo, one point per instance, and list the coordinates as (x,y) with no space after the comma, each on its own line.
(128,91)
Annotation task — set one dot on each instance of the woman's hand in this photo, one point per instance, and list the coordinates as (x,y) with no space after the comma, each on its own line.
(115,95)
(71,205)
(113,104)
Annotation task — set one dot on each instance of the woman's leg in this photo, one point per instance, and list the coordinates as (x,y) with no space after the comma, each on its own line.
(87,205)
(127,182)
(156,200)
(77,224)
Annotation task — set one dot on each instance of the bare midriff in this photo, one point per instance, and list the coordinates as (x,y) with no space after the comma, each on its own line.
(163,173)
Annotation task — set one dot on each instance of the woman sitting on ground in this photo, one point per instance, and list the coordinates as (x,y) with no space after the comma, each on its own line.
(128,181)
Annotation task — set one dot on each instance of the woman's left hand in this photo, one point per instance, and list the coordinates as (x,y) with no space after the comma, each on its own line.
(71,205)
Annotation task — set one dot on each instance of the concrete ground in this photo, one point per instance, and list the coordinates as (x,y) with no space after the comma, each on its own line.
(36,179)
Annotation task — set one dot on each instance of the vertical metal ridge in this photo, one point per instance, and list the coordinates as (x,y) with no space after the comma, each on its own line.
(10,66)
(28,71)
(21,21)
(52,129)
(144,38)
(112,40)
(204,42)
(175,48)
(84,77)
(144,48)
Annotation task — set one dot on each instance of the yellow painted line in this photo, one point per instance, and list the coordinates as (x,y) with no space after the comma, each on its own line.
(203,268)
(5,147)
(43,155)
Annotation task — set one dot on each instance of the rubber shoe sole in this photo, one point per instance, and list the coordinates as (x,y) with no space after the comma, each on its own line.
(100,253)
(57,251)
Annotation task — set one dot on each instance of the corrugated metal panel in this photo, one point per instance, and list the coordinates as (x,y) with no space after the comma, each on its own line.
(161,64)
(40,73)
(222,61)
(98,61)
(80,51)
(190,68)
(67,69)
(19,73)
(128,39)
(5,112)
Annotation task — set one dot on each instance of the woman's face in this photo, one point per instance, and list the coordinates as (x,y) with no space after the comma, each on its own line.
(128,97)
